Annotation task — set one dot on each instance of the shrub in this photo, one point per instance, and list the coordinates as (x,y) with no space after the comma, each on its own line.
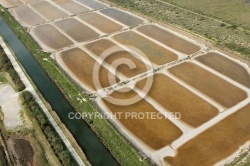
(53,138)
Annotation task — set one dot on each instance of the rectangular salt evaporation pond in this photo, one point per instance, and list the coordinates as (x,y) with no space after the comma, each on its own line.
(209,84)
(217,142)
(11,3)
(175,98)
(123,58)
(122,17)
(77,30)
(92,4)
(79,64)
(31,1)
(100,22)
(154,52)
(48,10)
(60,1)
(26,16)
(169,39)
(50,38)
(73,7)
(228,68)
(154,132)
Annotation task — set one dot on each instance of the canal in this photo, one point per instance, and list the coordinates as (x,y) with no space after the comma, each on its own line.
(96,153)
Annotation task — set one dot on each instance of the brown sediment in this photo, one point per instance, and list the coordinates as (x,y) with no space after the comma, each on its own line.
(61,1)
(11,3)
(48,10)
(73,7)
(77,30)
(100,22)
(92,4)
(169,39)
(51,37)
(211,85)
(154,52)
(82,66)
(216,143)
(175,98)
(226,67)
(154,132)
(123,17)
(126,58)
(27,16)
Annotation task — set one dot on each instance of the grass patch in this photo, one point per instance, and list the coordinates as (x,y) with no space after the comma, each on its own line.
(53,138)
(238,48)
(47,155)
(210,28)
(2,78)
(242,160)
(6,66)
(231,11)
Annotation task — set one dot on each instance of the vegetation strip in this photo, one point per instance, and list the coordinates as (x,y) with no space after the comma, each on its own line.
(224,35)
(55,141)
(126,154)
(6,66)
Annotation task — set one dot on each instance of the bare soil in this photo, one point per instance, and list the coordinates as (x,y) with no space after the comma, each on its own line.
(3,158)
(24,151)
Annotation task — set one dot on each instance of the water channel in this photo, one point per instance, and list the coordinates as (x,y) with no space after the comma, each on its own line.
(96,153)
